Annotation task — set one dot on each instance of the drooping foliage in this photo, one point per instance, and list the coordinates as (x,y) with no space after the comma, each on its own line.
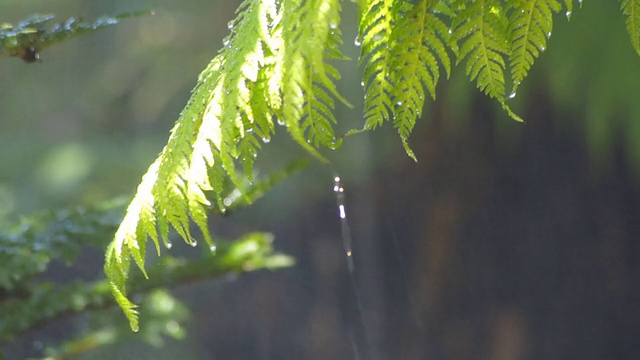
(276,69)
(29,300)
(30,36)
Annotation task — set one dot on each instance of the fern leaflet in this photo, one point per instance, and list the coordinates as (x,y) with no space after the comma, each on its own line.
(480,27)
(531,25)
(631,9)
(376,27)
(417,47)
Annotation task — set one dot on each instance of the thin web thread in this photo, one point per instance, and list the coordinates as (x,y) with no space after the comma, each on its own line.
(347,242)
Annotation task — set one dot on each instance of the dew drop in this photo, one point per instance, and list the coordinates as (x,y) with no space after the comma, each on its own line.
(568,14)
(168,245)
(399,103)
(213,248)
(333,25)
(266,140)
(193,243)
(549,34)
(512,95)
(357,41)
(230,25)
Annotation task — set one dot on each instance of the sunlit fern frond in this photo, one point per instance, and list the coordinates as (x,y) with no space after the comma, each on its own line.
(417,54)
(531,24)
(265,70)
(631,9)
(480,28)
(173,191)
(376,26)
(309,31)
(319,117)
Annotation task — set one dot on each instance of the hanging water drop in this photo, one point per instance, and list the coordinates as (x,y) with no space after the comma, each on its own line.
(549,34)
(512,95)
(568,14)
(266,140)
(193,242)
(231,24)
(168,245)
(357,41)
(213,248)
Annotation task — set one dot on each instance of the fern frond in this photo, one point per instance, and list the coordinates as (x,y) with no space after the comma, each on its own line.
(631,9)
(418,50)
(172,192)
(531,25)
(272,63)
(481,29)
(309,32)
(376,27)
(30,36)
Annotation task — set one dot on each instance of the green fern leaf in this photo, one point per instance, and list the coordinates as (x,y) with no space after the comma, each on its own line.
(270,65)
(481,29)
(172,193)
(30,36)
(531,24)
(418,46)
(376,27)
(310,34)
(631,9)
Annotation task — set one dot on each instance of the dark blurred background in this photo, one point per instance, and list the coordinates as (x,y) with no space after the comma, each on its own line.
(505,241)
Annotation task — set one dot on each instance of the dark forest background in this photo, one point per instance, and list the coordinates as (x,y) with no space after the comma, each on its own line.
(505,241)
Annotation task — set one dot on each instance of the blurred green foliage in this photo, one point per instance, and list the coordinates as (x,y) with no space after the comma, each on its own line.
(30,36)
